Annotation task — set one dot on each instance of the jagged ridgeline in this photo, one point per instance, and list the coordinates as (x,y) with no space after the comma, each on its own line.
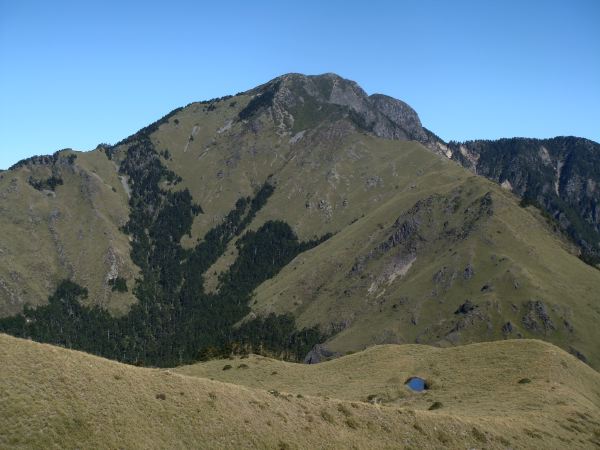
(175,320)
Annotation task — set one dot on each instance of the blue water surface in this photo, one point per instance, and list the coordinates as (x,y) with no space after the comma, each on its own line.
(416,384)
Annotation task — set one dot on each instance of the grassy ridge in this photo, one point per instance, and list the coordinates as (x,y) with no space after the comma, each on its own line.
(57,398)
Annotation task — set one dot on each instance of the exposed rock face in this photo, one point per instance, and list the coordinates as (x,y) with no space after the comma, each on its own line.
(320,353)
(298,102)
(419,227)
(507,328)
(469,272)
(465,308)
(400,114)
(537,317)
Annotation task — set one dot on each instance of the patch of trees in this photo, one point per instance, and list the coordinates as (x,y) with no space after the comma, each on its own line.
(44,160)
(65,321)
(55,179)
(261,100)
(216,99)
(49,183)
(118,284)
(175,321)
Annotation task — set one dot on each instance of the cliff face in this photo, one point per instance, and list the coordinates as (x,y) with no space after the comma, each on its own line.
(301,101)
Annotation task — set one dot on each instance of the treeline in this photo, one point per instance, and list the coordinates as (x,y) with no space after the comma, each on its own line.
(175,321)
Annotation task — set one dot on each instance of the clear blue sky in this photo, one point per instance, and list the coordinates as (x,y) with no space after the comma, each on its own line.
(74,74)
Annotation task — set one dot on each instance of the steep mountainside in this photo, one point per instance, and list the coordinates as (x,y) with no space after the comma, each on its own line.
(301,212)
(516,394)
(560,175)
(60,217)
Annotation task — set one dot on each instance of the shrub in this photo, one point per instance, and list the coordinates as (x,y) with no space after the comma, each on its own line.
(435,405)
(227,367)
(351,423)
(479,435)
(327,417)
(345,411)
(48,183)
(118,284)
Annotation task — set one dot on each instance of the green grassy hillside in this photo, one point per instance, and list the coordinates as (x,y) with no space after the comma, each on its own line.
(71,231)
(401,273)
(518,394)
(422,250)
(522,276)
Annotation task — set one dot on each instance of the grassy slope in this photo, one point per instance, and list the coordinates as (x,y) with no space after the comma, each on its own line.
(57,398)
(513,252)
(71,233)
(329,179)
(333,179)
(325,180)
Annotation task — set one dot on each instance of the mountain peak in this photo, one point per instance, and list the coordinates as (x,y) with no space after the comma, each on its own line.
(303,101)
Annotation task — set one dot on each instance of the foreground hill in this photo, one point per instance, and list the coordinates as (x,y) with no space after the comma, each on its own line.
(517,394)
(301,212)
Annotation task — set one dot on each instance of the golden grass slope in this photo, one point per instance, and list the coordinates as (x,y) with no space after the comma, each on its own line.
(72,232)
(57,398)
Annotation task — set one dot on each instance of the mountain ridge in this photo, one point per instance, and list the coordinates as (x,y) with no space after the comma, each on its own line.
(341,165)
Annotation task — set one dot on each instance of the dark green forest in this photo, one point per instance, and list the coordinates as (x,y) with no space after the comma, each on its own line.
(175,321)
